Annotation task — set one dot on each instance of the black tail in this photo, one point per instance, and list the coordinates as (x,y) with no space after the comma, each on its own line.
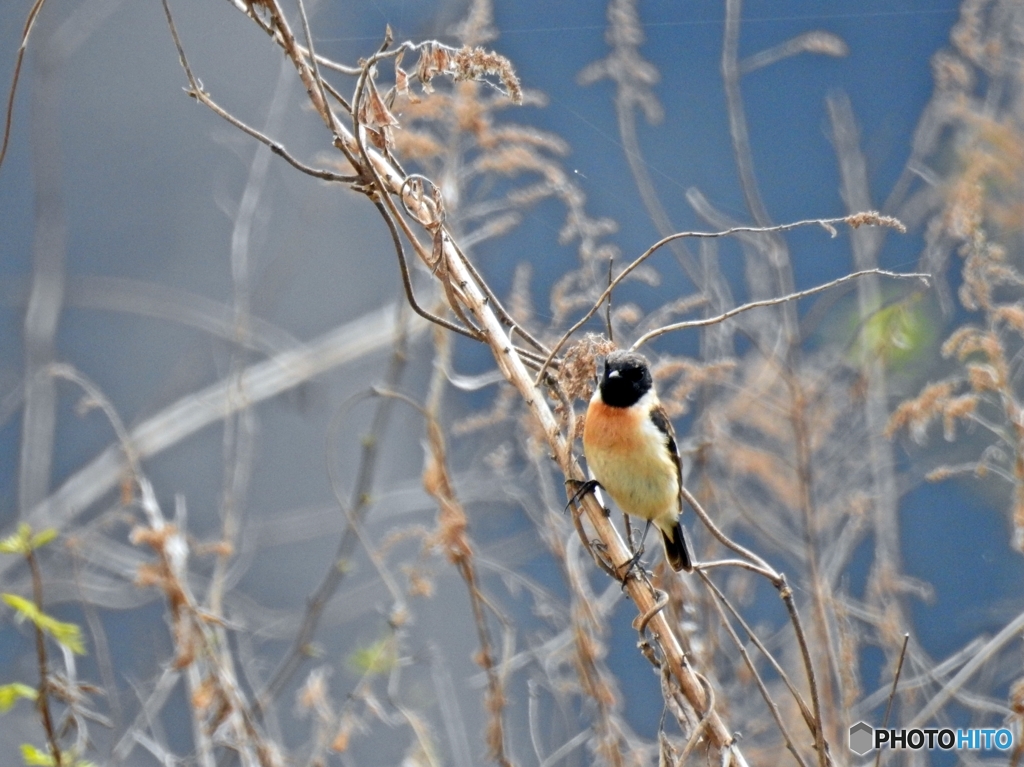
(678,550)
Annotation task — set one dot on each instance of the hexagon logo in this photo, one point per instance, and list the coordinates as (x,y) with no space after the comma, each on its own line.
(861,737)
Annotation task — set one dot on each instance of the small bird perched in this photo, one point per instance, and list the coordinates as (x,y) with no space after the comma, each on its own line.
(631,451)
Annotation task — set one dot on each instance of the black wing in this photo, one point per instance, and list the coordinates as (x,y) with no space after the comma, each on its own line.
(677,546)
(660,420)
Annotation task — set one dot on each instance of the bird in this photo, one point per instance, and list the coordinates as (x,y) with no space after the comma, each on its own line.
(631,452)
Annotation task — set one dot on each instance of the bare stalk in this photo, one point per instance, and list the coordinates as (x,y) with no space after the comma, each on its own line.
(468,298)
(457,547)
(819,589)
(43,700)
(358,505)
(892,692)
(857,219)
(704,322)
(718,601)
(30,21)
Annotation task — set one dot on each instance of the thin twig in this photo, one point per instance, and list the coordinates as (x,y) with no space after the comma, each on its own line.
(641,621)
(858,219)
(96,398)
(148,712)
(344,69)
(769,574)
(186,416)
(382,181)
(388,212)
(567,748)
(310,54)
(386,207)
(403,266)
(635,92)
(1009,632)
(718,600)
(774,251)
(933,675)
(25,32)
(774,301)
(695,735)
(43,699)
(503,313)
(338,97)
(761,566)
(458,549)
(238,433)
(797,418)
(608,305)
(356,510)
(737,114)
(892,693)
(195,90)
(812,680)
(800,702)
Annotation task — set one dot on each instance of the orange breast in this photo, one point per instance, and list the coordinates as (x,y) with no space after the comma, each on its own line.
(629,456)
(612,428)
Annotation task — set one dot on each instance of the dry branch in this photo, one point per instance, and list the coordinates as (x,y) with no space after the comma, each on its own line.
(405,208)
(258,382)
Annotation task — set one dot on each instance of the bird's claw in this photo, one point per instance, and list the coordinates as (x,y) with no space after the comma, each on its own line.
(631,564)
(582,488)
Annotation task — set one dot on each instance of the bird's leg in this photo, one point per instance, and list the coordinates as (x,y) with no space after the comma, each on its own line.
(643,537)
(635,559)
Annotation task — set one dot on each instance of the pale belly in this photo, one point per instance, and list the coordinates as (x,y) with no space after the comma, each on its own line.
(637,490)
(642,480)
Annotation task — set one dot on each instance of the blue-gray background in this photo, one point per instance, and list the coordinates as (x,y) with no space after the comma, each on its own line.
(149,181)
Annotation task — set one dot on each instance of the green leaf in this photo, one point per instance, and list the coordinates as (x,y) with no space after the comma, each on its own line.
(23,541)
(25,609)
(376,658)
(18,542)
(898,334)
(67,634)
(11,693)
(43,537)
(34,756)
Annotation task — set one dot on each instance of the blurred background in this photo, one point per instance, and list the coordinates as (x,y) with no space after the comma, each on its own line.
(160,253)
